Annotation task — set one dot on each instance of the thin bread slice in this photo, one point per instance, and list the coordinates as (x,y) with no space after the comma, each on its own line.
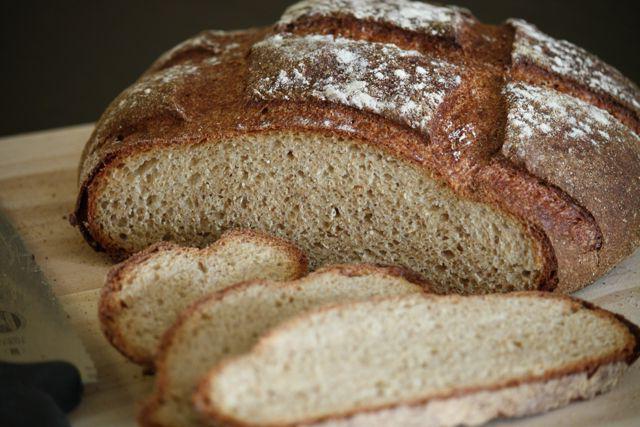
(230,322)
(144,295)
(422,360)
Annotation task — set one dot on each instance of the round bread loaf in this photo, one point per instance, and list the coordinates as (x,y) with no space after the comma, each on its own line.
(486,158)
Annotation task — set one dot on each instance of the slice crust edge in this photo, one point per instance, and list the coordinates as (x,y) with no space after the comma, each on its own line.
(110,306)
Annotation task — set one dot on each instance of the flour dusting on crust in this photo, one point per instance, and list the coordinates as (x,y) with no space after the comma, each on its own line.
(401,85)
(216,43)
(460,138)
(579,148)
(537,112)
(570,61)
(157,91)
(441,21)
(156,87)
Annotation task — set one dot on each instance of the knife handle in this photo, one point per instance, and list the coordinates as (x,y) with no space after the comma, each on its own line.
(60,380)
(22,406)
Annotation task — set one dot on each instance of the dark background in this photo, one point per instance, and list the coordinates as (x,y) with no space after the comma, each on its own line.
(64,61)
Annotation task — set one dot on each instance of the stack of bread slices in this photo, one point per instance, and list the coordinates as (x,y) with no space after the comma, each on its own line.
(239,334)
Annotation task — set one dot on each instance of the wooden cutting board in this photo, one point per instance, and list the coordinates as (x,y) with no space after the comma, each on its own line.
(38,189)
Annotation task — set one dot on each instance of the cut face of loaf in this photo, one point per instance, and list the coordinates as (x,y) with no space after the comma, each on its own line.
(230,322)
(422,360)
(144,295)
(356,204)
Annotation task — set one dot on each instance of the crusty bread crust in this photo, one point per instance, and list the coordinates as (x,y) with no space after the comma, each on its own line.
(479,407)
(147,416)
(580,232)
(606,370)
(110,305)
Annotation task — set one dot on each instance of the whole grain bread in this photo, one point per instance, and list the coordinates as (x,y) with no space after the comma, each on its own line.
(143,296)
(487,158)
(229,322)
(422,360)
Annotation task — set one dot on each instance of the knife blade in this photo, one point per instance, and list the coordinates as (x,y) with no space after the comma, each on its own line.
(33,326)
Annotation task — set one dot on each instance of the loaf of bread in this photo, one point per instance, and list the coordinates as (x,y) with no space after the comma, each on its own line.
(144,295)
(486,158)
(229,322)
(423,361)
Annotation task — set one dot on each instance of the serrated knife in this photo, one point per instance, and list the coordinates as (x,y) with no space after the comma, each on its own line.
(42,360)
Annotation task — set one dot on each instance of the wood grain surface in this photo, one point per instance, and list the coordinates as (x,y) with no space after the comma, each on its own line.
(38,189)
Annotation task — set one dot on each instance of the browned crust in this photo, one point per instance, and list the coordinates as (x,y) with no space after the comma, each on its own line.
(570,232)
(446,46)
(110,306)
(151,405)
(365,269)
(628,354)
(146,414)
(568,239)
(78,218)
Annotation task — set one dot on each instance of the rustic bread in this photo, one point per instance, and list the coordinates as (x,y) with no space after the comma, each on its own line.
(423,360)
(487,158)
(229,322)
(144,295)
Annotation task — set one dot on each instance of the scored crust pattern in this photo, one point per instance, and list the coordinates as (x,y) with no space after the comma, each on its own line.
(401,85)
(412,16)
(531,46)
(504,115)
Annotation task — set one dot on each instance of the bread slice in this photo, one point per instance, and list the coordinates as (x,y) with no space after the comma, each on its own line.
(230,322)
(143,296)
(423,360)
